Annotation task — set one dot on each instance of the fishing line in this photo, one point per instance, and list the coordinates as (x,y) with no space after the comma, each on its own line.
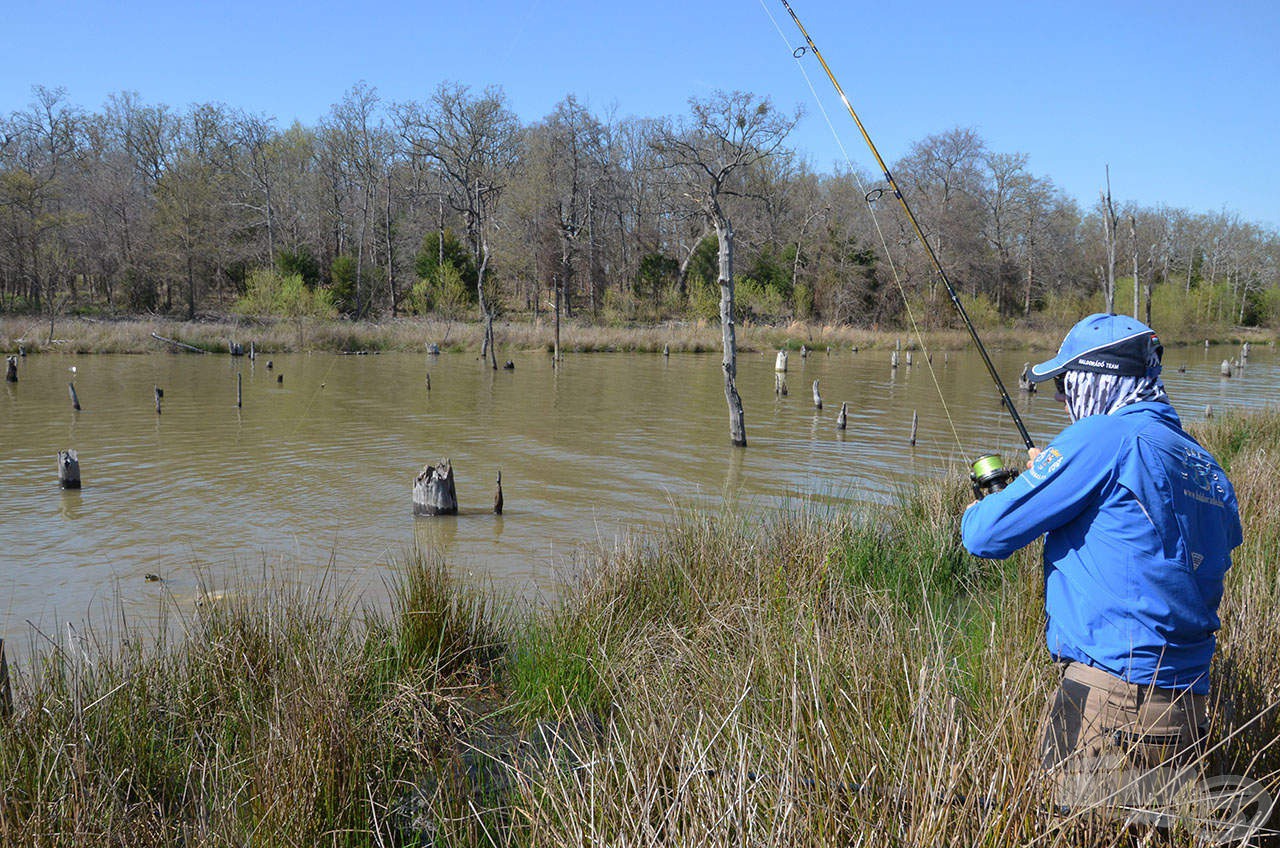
(869,197)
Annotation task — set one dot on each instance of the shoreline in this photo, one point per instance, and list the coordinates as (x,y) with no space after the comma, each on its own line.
(134,336)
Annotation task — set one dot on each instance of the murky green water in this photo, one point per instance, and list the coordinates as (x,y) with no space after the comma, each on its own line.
(315,473)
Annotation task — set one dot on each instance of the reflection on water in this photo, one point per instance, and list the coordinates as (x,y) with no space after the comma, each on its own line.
(316,471)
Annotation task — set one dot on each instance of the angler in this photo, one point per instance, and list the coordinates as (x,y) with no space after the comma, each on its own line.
(1139,522)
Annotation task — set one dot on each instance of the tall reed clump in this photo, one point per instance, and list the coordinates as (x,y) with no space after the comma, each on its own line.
(1246,675)
(278,716)
(808,680)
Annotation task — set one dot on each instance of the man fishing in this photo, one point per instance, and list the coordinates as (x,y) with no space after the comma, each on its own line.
(1139,523)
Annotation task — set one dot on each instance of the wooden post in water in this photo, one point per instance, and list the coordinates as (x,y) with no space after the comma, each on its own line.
(497,495)
(11,370)
(666,350)
(75,399)
(253,354)
(915,423)
(280,378)
(69,469)
(780,385)
(1225,368)
(239,394)
(434,492)
(780,363)
(6,690)
(1208,411)
(159,393)
(908,359)
(1024,379)
(428,381)
(842,419)
(804,352)
(817,398)
(893,359)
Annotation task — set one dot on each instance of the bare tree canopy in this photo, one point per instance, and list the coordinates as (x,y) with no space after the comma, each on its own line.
(452,205)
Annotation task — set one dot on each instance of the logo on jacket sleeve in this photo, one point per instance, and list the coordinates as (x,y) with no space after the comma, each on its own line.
(1045,464)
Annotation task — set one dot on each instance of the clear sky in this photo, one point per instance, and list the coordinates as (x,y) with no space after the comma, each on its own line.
(1181,99)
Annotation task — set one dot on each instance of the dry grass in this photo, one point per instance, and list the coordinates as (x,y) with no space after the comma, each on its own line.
(135,336)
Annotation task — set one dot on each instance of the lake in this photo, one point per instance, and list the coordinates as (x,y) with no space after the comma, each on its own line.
(314,474)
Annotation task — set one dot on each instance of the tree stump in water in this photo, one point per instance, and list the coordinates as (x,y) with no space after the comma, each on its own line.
(11,370)
(817,398)
(433,491)
(1024,380)
(69,469)
(780,362)
(75,398)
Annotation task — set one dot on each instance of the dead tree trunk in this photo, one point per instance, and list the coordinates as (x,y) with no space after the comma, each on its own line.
(433,491)
(69,469)
(11,370)
(6,690)
(737,426)
(1133,238)
(1109,222)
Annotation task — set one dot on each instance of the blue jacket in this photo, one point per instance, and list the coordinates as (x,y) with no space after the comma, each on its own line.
(1141,522)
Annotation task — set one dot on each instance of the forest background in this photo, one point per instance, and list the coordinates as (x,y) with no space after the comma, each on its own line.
(383,210)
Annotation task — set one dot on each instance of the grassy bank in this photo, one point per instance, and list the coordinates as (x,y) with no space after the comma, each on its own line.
(796,678)
(135,336)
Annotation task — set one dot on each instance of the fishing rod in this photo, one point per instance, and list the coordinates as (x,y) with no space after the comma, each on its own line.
(988,467)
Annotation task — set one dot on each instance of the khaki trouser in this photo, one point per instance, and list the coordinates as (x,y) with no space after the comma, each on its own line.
(1107,742)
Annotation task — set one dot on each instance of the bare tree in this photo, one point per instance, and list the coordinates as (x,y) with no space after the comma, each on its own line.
(724,135)
(473,140)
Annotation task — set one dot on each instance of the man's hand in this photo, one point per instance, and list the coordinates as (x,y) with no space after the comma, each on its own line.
(1032,453)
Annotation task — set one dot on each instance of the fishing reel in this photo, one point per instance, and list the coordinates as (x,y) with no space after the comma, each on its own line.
(988,474)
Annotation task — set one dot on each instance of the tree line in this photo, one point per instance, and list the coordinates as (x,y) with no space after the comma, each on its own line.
(454,206)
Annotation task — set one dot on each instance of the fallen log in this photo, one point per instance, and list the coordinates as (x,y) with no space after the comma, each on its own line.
(182,345)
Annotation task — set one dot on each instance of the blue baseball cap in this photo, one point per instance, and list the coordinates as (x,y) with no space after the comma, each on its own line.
(1103,344)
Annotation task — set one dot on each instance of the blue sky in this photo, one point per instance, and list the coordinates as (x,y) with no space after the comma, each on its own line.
(1179,98)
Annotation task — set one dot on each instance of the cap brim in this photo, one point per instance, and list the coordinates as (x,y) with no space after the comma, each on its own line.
(1048,370)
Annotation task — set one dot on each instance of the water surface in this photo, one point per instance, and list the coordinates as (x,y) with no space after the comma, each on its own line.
(315,473)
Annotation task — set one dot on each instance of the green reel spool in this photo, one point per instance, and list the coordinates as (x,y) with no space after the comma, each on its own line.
(988,474)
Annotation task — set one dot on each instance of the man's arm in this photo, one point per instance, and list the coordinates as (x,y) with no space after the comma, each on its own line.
(1059,483)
